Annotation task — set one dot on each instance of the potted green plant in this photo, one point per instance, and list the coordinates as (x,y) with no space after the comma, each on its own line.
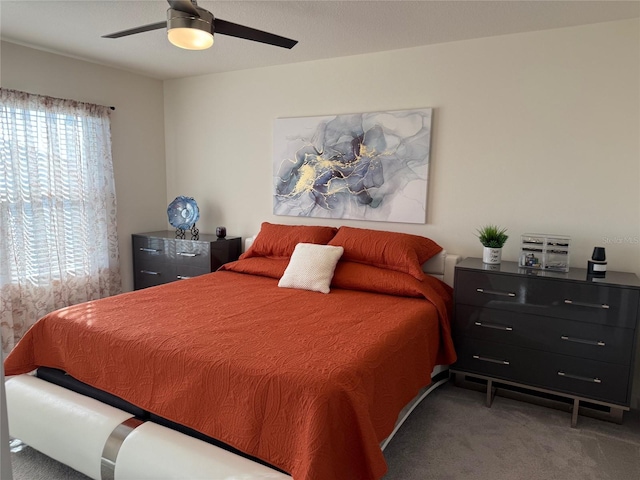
(493,239)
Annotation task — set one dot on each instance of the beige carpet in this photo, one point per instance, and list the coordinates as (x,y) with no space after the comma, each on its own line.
(453,436)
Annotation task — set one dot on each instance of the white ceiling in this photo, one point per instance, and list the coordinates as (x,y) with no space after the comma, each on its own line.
(324,29)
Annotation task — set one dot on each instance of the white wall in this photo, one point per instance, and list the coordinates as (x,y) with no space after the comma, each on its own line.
(137,130)
(537,132)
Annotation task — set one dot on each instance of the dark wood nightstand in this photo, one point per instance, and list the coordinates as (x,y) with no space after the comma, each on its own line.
(565,337)
(159,257)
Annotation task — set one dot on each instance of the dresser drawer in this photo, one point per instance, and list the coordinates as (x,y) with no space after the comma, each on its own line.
(151,262)
(184,272)
(554,298)
(150,250)
(193,254)
(568,337)
(596,380)
(149,277)
(159,257)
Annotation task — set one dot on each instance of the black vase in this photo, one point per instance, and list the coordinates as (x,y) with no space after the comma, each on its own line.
(221,232)
(597,266)
(599,254)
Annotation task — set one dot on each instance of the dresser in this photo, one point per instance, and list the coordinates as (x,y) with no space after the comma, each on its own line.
(160,257)
(556,335)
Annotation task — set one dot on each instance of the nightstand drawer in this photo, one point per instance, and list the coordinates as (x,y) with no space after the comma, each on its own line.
(554,298)
(193,254)
(597,380)
(579,339)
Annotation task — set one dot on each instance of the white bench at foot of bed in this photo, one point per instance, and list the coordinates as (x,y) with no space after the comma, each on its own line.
(104,442)
(177,456)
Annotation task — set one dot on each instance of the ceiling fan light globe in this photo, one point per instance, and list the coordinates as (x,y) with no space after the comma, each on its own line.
(190,38)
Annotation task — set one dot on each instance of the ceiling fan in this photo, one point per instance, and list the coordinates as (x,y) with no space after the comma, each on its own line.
(192,27)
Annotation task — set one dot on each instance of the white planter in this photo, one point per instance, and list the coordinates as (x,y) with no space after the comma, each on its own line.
(491,256)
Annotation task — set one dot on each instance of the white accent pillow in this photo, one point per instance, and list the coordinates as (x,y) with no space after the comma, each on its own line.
(311,267)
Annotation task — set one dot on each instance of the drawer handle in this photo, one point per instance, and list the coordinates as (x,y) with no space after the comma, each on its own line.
(150,250)
(182,277)
(149,272)
(584,304)
(494,325)
(578,377)
(582,340)
(185,254)
(495,292)
(491,360)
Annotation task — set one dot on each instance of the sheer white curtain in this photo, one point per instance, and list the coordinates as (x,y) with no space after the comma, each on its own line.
(58,240)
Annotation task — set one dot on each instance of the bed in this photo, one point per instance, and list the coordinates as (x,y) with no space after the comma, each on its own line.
(296,383)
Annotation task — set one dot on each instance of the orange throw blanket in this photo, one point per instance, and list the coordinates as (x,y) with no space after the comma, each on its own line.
(308,382)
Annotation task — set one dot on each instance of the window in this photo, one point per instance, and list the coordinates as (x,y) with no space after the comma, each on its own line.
(58,237)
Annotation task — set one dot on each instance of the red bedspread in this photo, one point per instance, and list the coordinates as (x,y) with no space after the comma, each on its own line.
(308,382)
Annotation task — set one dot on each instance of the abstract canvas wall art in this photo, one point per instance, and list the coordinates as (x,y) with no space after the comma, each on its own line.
(364,166)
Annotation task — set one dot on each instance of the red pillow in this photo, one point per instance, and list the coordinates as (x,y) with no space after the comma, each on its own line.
(262,266)
(279,241)
(391,250)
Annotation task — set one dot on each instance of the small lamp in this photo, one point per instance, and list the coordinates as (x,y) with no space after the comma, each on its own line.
(189,32)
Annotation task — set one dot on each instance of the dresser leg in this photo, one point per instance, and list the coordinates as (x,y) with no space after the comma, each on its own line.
(574,413)
(491,392)
(616,415)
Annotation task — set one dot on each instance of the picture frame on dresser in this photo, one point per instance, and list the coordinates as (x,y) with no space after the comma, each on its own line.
(563,339)
(160,257)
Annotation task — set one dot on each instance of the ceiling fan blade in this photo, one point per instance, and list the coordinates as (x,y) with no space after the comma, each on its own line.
(234,30)
(131,31)
(184,6)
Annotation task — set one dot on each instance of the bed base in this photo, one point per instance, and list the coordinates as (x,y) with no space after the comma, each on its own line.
(104,442)
(439,376)
(108,443)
